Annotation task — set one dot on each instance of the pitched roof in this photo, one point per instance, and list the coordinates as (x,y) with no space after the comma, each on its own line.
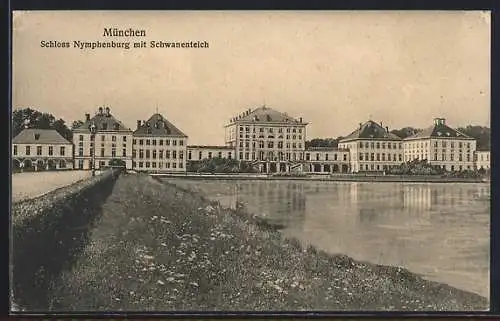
(104,122)
(157,125)
(39,136)
(371,130)
(265,114)
(439,130)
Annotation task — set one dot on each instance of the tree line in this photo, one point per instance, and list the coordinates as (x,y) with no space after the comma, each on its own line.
(32,118)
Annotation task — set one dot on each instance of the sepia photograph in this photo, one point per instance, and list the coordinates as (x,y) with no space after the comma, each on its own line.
(258,161)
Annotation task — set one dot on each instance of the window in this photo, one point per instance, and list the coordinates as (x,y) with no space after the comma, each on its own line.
(174,154)
(124,152)
(167,154)
(113,153)
(15,149)
(80,151)
(378,145)
(229,155)
(220,155)
(148,153)
(241,155)
(51,150)
(345,157)
(209,155)
(181,154)
(160,142)
(181,165)
(174,165)
(189,155)
(360,156)
(141,153)
(174,142)
(160,154)
(62,151)
(154,142)
(372,156)
(148,142)
(104,126)
(141,141)
(317,156)
(154,154)
(39,150)
(181,143)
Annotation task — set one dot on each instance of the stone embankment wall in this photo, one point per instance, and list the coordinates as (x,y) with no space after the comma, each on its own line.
(47,234)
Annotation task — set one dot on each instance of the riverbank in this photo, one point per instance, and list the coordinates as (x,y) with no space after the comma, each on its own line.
(156,247)
(321,177)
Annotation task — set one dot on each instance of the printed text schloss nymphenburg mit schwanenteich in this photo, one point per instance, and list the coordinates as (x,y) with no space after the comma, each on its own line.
(115,32)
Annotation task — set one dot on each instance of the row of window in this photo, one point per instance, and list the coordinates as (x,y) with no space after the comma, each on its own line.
(452,151)
(273,137)
(160,165)
(271,129)
(335,157)
(62,150)
(157,153)
(379,145)
(160,142)
(443,157)
(200,155)
(103,138)
(113,145)
(436,144)
(380,157)
(270,145)
(102,154)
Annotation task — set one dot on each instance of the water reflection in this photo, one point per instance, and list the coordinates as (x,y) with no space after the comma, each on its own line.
(438,230)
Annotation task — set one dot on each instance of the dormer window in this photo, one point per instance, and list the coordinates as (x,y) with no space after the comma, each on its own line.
(148,130)
(117,126)
(268,118)
(104,126)
(439,133)
(448,134)
(37,136)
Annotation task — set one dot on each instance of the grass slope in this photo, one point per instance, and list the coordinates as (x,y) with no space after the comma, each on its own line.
(161,248)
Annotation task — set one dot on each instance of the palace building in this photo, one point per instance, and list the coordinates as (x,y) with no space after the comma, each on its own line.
(159,146)
(441,145)
(372,148)
(273,141)
(41,149)
(482,159)
(113,141)
(198,153)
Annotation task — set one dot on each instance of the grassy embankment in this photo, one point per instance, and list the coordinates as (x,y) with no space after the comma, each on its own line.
(158,247)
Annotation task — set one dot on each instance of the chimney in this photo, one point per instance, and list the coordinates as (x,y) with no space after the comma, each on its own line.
(107,111)
(439,121)
(381,125)
(387,128)
(300,119)
(100,110)
(360,125)
(138,124)
(87,117)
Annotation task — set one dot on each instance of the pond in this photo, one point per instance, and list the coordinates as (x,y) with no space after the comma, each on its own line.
(438,230)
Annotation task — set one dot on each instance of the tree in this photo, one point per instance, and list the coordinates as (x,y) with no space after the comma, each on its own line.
(480,133)
(35,119)
(406,131)
(76,124)
(323,142)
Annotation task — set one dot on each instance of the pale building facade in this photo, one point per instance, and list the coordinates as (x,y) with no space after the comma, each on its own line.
(113,141)
(273,141)
(41,149)
(197,153)
(326,160)
(442,146)
(483,159)
(159,146)
(372,148)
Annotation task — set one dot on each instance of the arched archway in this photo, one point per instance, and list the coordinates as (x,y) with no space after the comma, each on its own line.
(40,165)
(28,165)
(326,168)
(317,167)
(62,163)
(335,168)
(272,168)
(345,168)
(51,164)
(16,165)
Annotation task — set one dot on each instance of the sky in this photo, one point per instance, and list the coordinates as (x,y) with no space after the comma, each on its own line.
(333,68)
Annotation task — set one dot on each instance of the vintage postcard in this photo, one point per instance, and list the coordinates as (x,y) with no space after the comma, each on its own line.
(221,161)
